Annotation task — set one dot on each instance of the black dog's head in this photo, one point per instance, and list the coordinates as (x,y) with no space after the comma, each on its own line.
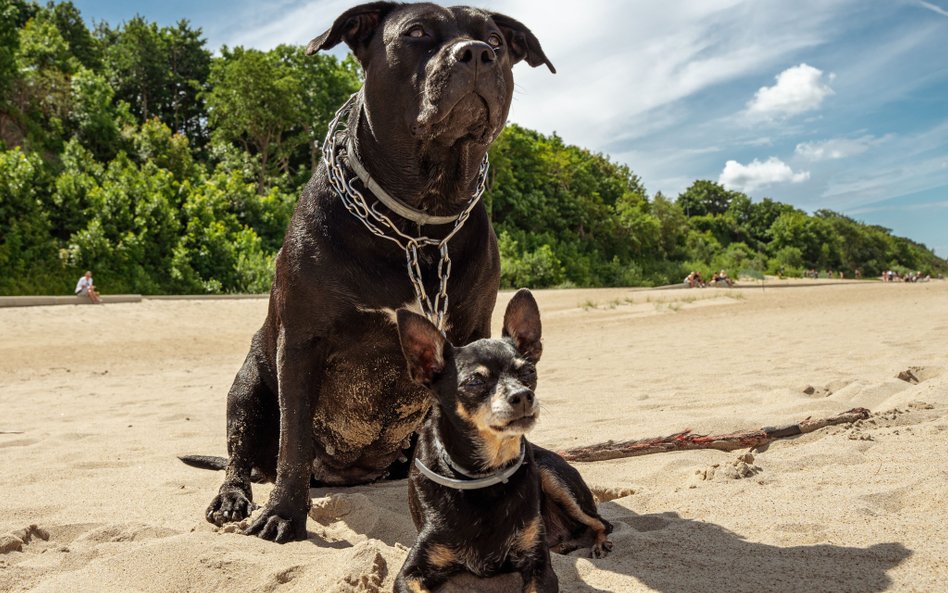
(487,387)
(457,62)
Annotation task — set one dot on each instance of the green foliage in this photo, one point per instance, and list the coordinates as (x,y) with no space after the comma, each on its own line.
(538,267)
(137,64)
(9,44)
(572,216)
(189,64)
(324,85)
(255,100)
(28,254)
(160,72)
(133,152)
(94,116)
(704,198)
(82,45)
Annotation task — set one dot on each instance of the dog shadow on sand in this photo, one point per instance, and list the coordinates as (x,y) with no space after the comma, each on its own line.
(664,552)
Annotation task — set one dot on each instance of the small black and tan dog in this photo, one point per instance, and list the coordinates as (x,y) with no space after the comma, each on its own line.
(483,498)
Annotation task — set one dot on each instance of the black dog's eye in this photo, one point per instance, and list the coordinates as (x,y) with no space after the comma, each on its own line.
(416,31)
(528,371)
(495,40)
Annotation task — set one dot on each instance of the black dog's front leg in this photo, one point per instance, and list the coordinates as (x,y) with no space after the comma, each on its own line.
(284,517)
(248,435)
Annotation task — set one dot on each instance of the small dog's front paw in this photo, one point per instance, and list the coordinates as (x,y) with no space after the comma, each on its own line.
(602,549)
(277,525)
(232,504)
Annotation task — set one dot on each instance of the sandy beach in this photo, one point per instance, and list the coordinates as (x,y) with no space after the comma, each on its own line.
(98,401)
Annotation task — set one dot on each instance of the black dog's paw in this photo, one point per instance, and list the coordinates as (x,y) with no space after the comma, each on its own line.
(602,549)
(278,525)
(230,505)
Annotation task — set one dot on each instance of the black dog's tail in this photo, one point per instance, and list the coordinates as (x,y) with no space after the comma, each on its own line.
(215,463)
(204,461)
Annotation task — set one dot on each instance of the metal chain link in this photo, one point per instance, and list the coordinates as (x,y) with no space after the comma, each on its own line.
(379,223)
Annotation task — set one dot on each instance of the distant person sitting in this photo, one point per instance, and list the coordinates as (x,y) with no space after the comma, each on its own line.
(722,277)
(86,288)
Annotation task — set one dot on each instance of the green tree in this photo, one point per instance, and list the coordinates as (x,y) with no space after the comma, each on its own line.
(324,83)
(82,45)
(255,100)
(9,45)
(41,97)
(705,197)
(137,62)
(673,226)
(132,230)
(94,116)
(70,195)
(28,253)
(189,64)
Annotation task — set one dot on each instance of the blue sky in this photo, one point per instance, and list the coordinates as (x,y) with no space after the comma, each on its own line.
(839,104)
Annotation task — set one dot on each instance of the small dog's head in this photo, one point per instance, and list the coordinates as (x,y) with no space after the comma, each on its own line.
(487,387)
(457,62)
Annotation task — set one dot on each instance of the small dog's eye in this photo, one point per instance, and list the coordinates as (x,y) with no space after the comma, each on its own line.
(495,40)
(417,32)
(528,371)
(474,381)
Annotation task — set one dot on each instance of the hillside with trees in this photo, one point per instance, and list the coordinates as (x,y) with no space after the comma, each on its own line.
(137,152)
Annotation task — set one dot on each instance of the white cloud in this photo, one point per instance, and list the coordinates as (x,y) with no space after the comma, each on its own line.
(759,174)
(798,89)
(623,69)
(943,205)
(934,8)
(837,148)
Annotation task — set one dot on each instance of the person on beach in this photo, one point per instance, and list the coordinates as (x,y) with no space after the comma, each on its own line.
(85,287)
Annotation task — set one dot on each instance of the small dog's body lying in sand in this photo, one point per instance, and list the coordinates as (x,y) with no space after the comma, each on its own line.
(483,498)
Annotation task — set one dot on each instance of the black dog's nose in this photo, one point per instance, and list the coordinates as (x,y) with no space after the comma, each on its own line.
(523,397)
(474,52)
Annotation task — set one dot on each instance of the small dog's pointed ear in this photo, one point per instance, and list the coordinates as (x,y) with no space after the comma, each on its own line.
(423,346)
(355,26)
(522,42)
(522,325)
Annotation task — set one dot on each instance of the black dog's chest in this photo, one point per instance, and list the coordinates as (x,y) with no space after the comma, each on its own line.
(367,406)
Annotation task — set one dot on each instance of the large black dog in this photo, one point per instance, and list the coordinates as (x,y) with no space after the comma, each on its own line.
(324,393)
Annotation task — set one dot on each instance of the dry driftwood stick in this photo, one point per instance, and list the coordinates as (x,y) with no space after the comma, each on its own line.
(684,440)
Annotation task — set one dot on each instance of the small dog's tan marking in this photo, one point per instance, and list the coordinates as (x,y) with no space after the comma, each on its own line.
(416,586)
(530,587)
(554,488)
(498,450)
(527,537)
(442,556)
(495,449)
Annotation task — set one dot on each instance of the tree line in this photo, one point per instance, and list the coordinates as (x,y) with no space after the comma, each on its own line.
(136,152)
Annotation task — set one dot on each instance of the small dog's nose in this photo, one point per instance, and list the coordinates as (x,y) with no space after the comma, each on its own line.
(523,398)
(474,53)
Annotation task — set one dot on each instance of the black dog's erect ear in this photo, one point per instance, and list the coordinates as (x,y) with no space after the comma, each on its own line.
(423,346)
(355,26)
(523,44)
(522,324)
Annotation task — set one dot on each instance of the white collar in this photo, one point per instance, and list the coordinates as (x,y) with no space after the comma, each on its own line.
(473,481)
(393,203)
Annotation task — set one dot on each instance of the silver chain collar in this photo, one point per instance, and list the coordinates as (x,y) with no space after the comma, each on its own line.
(381,225)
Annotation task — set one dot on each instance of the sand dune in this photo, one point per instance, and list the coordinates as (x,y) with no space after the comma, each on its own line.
(98,401)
